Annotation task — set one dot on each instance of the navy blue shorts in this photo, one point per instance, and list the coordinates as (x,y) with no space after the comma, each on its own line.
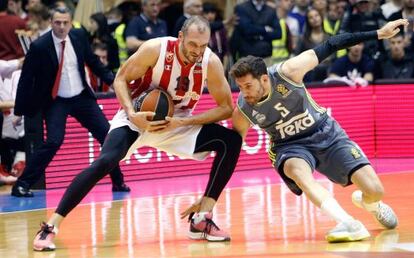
(328,149)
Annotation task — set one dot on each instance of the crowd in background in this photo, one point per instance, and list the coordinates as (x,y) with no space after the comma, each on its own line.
(274,30)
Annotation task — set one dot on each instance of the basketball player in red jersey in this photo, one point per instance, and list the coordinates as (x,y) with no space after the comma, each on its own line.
(182,67)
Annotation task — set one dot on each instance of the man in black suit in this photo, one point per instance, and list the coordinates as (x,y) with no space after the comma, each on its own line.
(191,8)
(53,82)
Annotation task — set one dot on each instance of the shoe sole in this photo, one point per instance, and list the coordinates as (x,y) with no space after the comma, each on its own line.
(44,249)
(196,235)
(203,236)
(346,237)
(22,196)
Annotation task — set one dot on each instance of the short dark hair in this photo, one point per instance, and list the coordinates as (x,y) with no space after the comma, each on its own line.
(249,65)
(99,45)
(209,8)
(40,10)
(61,10)
(201,22)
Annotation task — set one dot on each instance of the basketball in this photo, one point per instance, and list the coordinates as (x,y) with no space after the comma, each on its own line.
(155,100)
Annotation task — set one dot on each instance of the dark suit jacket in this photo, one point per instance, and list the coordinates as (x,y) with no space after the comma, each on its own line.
(250,36)
(34,91)
(178,24)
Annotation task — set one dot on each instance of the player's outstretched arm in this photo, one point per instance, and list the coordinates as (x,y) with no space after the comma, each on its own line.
(296,67)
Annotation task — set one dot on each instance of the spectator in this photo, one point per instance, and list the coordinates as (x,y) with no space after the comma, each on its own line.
(390,7)
(16,7)
(218,39)
(10,47)
(145,26)
(64,4)
(407,12)
(12,137)
(313,36)
(53,82)
(258,25)
(129,11)
(320,6)
(190,8)
(283,47)
(100,34)
(39,19)
(98,85)
(355,67)
(30,3)
(332,19)
(170,12)
(365,18)
(299,13)
(396,64)
(114,17)
(332,22)
(6,104)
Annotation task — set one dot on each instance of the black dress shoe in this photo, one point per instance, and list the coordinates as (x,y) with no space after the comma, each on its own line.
(20,191)
(121,188)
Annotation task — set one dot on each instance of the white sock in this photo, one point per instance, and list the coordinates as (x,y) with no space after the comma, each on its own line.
(371,207)
(198,217)
(332,208)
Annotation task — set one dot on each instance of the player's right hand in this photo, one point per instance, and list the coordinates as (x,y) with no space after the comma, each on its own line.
(143,122)
(391,29)
(17,121)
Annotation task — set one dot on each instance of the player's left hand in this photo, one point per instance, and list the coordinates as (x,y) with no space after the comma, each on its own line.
(391,29)
(172,123)
(157,126)
(194,208)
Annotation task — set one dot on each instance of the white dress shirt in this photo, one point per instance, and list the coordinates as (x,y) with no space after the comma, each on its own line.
(70,80)
(8,67)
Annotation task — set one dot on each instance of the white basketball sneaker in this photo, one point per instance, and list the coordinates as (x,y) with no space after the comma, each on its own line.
(384,214)
(347,231)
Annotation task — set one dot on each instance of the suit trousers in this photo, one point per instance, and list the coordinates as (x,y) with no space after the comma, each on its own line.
(86,111)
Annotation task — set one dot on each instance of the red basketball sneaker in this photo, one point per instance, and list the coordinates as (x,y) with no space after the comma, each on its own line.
(206,229)
(5,177)
(18,168)
(44,238)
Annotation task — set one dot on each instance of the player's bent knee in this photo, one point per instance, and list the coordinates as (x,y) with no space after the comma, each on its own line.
(106,162)
(294,174)
(374,192)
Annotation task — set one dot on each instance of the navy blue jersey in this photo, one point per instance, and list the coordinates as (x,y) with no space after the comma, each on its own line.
(287,113)
(144,29)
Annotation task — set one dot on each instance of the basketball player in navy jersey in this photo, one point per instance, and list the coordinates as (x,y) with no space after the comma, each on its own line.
(305,138)
(180,67)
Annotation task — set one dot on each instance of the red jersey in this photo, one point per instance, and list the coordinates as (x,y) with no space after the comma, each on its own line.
(184,83)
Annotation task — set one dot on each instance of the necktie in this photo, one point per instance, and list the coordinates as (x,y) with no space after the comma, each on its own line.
(59,73)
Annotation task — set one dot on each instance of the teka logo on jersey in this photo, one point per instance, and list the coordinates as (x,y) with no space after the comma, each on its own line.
(295,125)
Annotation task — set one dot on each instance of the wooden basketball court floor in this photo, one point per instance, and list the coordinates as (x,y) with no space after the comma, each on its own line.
(263,217)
